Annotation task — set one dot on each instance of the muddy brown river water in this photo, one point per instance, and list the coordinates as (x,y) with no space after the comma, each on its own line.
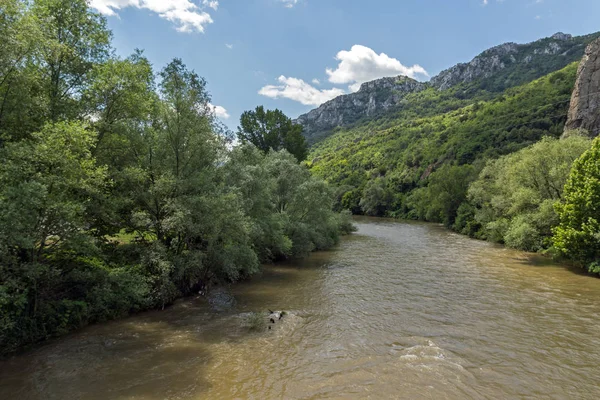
(398,310)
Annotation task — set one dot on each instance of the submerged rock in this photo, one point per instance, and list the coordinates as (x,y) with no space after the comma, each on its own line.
(221,299)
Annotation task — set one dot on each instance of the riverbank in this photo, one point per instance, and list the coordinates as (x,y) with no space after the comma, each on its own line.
(403,310)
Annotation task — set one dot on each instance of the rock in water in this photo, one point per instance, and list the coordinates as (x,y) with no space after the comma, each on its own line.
(584,112)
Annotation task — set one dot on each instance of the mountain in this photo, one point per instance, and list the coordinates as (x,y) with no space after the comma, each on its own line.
(372,98)
(493,71)
(390,160)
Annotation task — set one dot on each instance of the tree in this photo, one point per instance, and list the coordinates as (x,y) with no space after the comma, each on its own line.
(578,235)
(45,187)
(21,42)
(272,130)
(177,193)
(376,198)
(514,195)
(76,40)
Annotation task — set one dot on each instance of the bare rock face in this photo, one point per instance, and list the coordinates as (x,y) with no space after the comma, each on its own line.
(584,112)
(373,97)
(505,56)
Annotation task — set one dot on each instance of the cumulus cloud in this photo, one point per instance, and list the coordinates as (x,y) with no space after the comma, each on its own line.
(186,15)
(289,3)
(361,64)
(298,90)
(219,111)
(316,81)
(214,4)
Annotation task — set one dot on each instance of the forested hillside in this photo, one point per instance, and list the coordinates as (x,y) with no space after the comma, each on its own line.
(400,150)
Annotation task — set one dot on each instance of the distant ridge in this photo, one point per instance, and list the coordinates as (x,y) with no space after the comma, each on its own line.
(494,70)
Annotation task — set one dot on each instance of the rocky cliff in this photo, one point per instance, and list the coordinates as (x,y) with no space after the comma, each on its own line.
(584,112)
(373,97)
(543,53)
(493,71)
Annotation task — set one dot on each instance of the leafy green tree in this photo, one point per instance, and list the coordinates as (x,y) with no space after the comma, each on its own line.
(515,194)
(272,130)
(578,235)
(76,40)
(119,98)
(21,43)
(376,198)
(178,196)
(45,186)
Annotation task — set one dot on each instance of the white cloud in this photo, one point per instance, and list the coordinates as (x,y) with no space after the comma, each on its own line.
(361,64)
(289,3)
(316,81)
(186,15)
(219,111)
(214,4)
(229,46)
(298,90)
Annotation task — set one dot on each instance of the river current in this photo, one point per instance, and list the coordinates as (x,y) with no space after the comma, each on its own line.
(397,310)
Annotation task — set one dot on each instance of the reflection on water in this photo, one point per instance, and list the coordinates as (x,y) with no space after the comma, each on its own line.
(399,310)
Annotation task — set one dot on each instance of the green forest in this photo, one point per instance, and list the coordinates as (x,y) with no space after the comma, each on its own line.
(491,165)
(119,189)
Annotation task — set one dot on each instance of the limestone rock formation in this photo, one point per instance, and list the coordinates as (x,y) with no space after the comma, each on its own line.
(584,112)
(373,97)
(498,58)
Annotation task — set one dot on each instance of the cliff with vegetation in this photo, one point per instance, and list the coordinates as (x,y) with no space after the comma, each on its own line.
(493,71)
(373,98)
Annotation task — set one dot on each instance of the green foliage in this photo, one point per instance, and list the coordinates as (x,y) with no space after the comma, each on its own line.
(376,198)
(440,200)
(419,161)
(272,130)
(515,194)
(290,211)
(578,234)
(119,193)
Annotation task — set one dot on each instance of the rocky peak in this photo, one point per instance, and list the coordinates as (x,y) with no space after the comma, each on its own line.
(497,59)
(562,36)
(372,98)
(495,70)
(584,112)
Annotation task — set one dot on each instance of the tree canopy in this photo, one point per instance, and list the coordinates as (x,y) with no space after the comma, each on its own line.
(578,234)
(272,130)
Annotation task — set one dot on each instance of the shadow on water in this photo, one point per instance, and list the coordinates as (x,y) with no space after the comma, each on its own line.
(123,360)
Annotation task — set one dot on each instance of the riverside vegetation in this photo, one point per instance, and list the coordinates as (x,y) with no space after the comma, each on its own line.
(119,189)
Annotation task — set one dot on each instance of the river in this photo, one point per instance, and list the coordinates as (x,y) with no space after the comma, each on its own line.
(398,310)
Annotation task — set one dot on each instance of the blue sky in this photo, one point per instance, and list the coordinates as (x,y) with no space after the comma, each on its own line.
(295,54)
